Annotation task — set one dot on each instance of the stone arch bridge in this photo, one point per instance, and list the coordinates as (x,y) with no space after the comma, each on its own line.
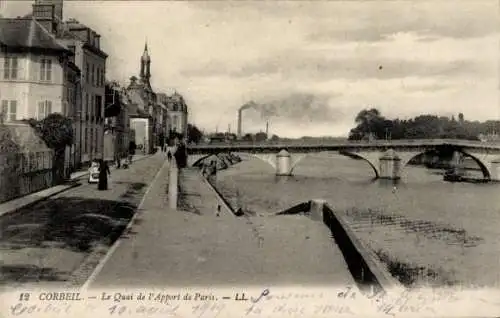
(387,158)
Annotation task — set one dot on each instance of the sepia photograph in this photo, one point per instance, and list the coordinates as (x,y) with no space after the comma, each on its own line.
(249,158)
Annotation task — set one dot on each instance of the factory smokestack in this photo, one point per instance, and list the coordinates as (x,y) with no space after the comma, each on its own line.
(239,122)
(267,129)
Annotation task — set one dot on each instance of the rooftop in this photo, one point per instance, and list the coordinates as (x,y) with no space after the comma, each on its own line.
(27,33)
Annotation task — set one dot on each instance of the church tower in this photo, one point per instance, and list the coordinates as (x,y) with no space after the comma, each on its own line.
(145,66)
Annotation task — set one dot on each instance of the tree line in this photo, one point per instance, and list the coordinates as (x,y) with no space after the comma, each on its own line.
(370,124)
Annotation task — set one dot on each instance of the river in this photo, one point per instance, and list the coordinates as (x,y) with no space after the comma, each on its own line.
(427,231)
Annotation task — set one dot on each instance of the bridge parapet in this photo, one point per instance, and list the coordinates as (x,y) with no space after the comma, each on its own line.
(487,155)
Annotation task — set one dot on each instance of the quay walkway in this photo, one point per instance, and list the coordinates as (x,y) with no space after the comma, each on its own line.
(177,248)
(32,198)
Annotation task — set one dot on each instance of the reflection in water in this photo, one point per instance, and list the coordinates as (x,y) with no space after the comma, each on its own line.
(387,212)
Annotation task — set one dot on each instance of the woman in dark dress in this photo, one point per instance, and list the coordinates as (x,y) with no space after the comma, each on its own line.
(180,156)
(103,175)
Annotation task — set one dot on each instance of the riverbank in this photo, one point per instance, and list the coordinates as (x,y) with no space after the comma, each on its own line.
(427,232)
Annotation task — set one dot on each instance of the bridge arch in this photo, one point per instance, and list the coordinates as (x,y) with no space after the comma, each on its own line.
(371,158)
(481,162)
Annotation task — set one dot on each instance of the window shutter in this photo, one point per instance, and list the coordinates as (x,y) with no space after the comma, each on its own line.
(6,68)
(48,75)
(42,70)
(13,67)
(13,110)
(40,110)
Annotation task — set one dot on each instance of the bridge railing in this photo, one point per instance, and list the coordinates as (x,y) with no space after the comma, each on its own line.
(301,143)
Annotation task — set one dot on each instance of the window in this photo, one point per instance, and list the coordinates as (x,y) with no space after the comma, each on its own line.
(98,78)
(9,110)
(46,70)
(98,106)
(91,138)
(91,106)
(85,140)
(44,109)
(102,78)
(87,78)
(5,108)
(97,145)
(93,73)
(10,67)
(86,110)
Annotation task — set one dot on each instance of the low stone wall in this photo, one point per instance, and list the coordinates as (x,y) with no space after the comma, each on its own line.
(209,167)
(368,272)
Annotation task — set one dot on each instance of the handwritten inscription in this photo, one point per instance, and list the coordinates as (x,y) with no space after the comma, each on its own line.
(264,303)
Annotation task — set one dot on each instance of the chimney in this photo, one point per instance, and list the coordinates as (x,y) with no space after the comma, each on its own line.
(57,4)
(239,123)
(49,13)
(44,14)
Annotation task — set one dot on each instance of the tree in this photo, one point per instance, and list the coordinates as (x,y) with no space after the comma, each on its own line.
(369,122)
(56,131)
(194,134)
(260,136)
(248,137)
(461,118)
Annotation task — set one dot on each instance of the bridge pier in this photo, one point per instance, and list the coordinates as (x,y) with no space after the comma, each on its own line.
(390,166)
(495,170)
(283,163)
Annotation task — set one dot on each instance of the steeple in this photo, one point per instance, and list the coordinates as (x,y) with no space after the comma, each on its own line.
(145,65)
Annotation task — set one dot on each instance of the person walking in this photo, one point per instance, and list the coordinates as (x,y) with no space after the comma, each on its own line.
(181,155)
(131,151)
(118,160)
(103,175)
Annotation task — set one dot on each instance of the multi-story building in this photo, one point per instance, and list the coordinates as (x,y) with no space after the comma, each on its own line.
(91,60)
(177,114)
(116,131)
(37,76)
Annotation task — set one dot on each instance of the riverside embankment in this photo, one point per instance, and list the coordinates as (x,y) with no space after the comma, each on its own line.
(426,231)
(291,227)
(199,247)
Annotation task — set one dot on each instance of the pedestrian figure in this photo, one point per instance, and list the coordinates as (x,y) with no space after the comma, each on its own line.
(239,212)
(169,155)
(181,156)
(131,151)
(103,175)
(118,161)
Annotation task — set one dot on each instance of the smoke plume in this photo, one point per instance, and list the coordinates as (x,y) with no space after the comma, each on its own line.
(297,107)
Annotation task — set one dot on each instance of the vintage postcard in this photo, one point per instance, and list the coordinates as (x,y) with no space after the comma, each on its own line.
(249,158)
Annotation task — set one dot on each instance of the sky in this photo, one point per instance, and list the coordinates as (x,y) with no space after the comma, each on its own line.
(314,64)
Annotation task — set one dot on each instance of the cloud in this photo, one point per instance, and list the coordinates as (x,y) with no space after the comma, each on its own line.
(318,67)
(435,56)
(377,20)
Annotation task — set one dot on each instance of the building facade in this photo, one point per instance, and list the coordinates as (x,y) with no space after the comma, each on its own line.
(91,60)
(177,117)
(37,76)
(116,129)
(88,56)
